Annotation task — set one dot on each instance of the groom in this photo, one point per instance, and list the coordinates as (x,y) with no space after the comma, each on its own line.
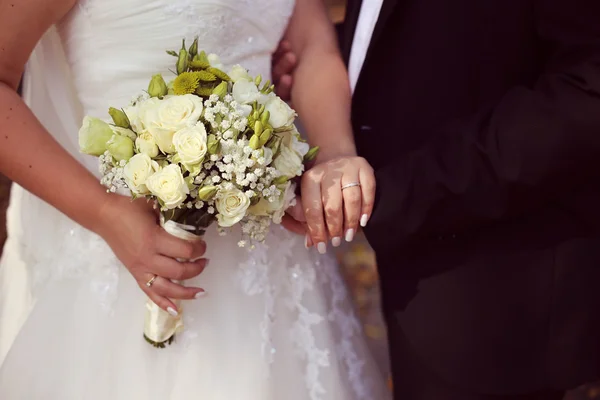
(482,121)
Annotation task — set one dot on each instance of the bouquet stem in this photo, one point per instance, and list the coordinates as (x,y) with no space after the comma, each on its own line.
(160,327)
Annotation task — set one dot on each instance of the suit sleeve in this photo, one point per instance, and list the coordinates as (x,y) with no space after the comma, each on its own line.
(535,143)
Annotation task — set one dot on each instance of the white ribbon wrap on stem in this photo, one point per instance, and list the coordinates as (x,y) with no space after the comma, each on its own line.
(160,327)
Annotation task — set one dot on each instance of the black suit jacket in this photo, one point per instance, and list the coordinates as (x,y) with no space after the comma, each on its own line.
(482,121)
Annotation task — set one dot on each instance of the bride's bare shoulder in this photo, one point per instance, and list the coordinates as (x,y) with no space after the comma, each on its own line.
(22,24)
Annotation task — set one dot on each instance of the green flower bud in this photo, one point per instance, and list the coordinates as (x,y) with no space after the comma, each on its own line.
(264,118)
(258,128)
(258,80)
(207,193)
(194,48)
(265,136)
(182,61)
(202,57)
(119,118)
(157,87)
(220,90)
(254,142)
(93,136)
(213,144)
(312,154)
(172,53)
(281,180)
(120,147)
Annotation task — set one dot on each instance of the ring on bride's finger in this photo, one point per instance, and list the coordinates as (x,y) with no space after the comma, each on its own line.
(151,281)
(351,184)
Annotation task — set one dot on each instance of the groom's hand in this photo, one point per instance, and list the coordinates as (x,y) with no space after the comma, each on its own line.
(283,65)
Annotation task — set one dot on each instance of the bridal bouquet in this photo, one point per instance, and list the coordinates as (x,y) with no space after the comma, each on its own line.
(207,147)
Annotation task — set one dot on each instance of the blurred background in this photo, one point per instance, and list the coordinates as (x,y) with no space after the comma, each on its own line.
(358,264)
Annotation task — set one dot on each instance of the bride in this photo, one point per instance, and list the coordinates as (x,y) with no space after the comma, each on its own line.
(275,323)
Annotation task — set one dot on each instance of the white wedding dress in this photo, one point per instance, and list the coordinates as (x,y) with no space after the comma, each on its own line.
(277,323)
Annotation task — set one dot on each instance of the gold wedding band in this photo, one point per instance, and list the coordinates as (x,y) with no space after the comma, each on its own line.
(151,281)
(349,185)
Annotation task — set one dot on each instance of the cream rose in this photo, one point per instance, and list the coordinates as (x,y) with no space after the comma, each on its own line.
(169,116)
(168,186)
(146,144)
(290,160)
(245,92)
(239,73)
(232,206)
(281,113)
(137,171)
(191,144)
(277,208)
(136,113)
(93,136)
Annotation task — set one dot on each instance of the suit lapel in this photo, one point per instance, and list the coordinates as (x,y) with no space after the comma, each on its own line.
(387,8)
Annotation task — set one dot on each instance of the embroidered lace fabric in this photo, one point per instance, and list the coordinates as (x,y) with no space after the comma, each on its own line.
(277,322)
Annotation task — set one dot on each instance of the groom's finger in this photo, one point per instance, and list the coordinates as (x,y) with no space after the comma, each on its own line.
(313,208)
(352,206)
(332,205)
(367,186)
(284,66)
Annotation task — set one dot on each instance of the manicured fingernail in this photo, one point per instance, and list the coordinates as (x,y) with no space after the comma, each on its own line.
(349,235)
(363,220)
(322,248)
(306,242)
(336,241)
(172,311)
(200,295)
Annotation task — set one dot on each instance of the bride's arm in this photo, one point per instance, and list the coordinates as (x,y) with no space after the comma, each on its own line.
(321,94)
(33,159)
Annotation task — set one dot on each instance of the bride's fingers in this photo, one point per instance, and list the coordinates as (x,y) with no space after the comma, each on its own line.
(179,271)
(367,186)
(313,209)
(160,301)
(352,205)
(331,192)
(171,246)
(165,288)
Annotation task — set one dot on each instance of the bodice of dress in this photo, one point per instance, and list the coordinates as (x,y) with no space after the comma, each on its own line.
(113,47)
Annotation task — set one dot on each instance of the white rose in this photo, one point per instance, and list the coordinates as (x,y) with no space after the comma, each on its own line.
(281,113)
(146,144)
(290,160)
(191,144)
(239,73)
(232,206)
(245,92)
(171,115)
(168,186)
(137,171)
(277,208)
(215,61)
(137,113)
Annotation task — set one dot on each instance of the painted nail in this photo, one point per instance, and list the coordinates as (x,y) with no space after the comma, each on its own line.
(306,242)
(322,248)
(171,311)
(200,295)
(349,235)
(363,220)
(336,241)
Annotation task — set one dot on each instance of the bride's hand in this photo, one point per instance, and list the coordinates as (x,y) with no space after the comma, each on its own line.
(132,230)
(337,196)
